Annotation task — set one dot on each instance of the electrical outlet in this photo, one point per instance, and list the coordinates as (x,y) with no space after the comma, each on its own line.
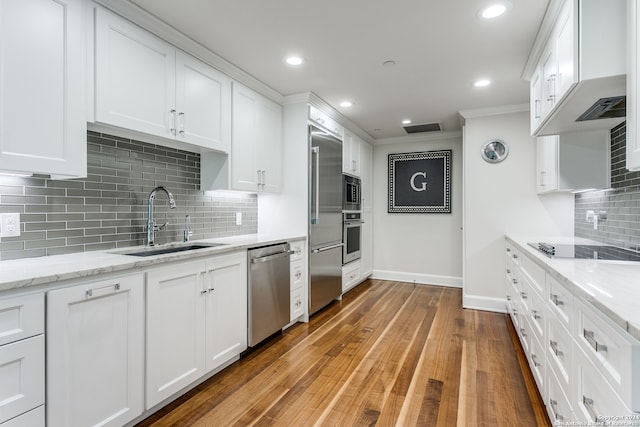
(10,225)
(238,218)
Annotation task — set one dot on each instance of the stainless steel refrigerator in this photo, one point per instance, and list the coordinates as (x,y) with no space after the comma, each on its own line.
(325,228)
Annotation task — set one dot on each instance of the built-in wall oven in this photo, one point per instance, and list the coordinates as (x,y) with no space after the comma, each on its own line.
(351,236)
(350,193)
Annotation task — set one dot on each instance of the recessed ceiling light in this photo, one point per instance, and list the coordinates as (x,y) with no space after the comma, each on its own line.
(406,121)
(496,9)
(294,60)
(346,104)
(482,83)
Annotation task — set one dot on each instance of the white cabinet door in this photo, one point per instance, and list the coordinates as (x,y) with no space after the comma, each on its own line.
(535,98)
(226,308)
(203,100)
(22,374)
(567,51)
(549,67)
(547,153)
(256,142)
(134,77)
(42,87)
(633,138)
(95,353)
(33,418)
(351,163)
(175,329)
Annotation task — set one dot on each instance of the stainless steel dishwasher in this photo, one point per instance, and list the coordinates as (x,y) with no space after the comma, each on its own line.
(269,291)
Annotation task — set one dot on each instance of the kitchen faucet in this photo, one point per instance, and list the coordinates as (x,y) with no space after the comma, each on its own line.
(151,222)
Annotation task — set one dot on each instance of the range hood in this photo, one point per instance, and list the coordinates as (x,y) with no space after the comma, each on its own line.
(591,104)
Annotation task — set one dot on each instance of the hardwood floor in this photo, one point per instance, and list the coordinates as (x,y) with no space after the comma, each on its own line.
(388,354)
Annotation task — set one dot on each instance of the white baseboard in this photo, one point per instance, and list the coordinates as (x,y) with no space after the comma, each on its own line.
(423,279)
(476,302)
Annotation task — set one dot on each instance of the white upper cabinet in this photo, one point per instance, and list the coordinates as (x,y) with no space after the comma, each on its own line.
(351,162)
(578,64)
(562,160)
(42,87)
(256,151)
(633,142)
(146,85)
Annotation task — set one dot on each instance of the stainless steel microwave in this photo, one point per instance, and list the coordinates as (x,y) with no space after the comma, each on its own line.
(351,193)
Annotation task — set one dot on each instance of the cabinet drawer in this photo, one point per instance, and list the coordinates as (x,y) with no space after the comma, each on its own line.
(537,362)
(595,399)
(22,373)
(325,121)
(297,249)
(350,275)
(297,274)
(560,303)
(537,315)
(21,317)
(33,418)
(513,255)
(559,347)
(612,351)
(297,303)
(558,405)
(534,273)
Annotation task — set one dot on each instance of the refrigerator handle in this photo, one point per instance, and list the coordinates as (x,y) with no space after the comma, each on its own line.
(315,214)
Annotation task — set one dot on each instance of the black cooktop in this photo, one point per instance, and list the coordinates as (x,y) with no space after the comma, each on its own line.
(612,253)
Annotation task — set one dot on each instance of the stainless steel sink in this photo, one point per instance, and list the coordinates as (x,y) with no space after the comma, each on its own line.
(171,249)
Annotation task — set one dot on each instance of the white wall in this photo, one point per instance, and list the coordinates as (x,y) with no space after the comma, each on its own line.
(501,198)
(425,248)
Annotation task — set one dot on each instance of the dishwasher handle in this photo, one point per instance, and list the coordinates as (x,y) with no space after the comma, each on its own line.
(266,258)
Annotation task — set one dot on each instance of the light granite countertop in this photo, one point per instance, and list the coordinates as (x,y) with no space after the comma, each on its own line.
(613,287)
(50,270)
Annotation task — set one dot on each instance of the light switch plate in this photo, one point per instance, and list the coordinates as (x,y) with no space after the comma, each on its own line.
(9,225)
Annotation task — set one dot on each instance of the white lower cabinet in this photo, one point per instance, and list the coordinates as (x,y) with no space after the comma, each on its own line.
(95,352)
(350,275)
(196,321)
(22,359)
(33,418)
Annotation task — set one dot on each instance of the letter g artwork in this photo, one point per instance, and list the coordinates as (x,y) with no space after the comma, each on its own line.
(420,182)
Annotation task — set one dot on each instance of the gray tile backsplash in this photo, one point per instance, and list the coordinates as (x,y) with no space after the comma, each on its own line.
(621,203)
(108,209)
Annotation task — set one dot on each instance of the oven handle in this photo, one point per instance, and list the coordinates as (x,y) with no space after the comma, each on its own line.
(327,248)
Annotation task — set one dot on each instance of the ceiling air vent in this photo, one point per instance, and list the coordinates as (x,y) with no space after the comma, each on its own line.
(425,127)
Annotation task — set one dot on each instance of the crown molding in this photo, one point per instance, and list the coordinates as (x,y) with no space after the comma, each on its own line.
(421,137)
(492,111)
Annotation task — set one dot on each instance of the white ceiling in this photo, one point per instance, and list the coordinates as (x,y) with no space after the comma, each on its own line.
(440,49)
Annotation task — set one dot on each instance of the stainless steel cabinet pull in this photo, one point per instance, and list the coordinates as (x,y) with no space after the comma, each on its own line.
(523,295)
(338,245)
(315,218)
(536,315)
(554,408)
(588,403)
(556,300)
(515,312)
(554,348)
(514,256)
(508,249)
(515,281)
(172,116)
(536,108)
(508,297)
(534,358)
(181,123)
(92,292)
(204,291)
(590,336)
(508,271)
(523,332)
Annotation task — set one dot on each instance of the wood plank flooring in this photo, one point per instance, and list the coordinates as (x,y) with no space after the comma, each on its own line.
(388,354)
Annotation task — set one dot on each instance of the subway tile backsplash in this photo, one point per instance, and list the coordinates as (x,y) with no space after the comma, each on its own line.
(621,203)
(108,209)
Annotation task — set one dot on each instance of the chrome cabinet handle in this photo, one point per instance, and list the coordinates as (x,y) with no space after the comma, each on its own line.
(508,297)
(181,123)
(590,336)
(536,315)
(204,291)
(89,293)
(508,271)
(554,347)
(315,218)
(523,295)
(536,108)
(554,408)
(523,332)
(556,300)
(515,312)
(337,245)
(534,358)
(172,116)
(514,256)
(588,403)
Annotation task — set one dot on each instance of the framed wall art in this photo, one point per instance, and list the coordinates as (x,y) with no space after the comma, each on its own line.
(420,182)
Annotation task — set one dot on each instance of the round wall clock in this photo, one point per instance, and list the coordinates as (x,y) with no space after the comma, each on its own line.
(494,151)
